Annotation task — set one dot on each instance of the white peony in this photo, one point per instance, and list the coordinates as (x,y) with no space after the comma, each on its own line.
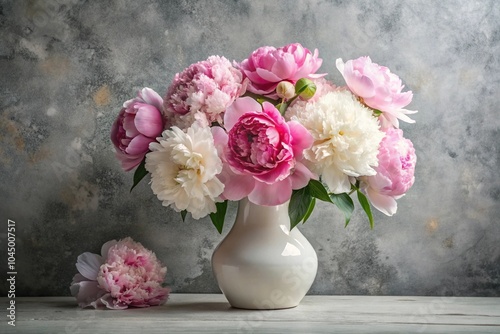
(346,138)
(184,168)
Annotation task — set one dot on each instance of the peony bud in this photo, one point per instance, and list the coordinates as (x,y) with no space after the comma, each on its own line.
(285,90)
(305,88)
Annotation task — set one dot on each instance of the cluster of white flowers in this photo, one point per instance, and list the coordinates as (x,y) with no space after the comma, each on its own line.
(346,137)
(184,168)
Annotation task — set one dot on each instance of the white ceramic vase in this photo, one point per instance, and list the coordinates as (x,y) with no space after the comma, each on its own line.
(261,264)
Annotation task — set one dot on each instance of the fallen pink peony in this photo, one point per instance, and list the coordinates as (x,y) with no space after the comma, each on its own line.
(125,275)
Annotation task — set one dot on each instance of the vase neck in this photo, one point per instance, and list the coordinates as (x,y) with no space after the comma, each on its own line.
(253,214)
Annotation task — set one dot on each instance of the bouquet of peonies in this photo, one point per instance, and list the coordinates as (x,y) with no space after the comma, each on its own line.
(271,129)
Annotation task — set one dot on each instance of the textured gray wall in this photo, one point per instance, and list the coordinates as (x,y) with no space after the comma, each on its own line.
(66,67)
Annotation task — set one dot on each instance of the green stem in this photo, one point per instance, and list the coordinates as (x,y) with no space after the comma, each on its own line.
(260,97)
(292,99)
(283,107)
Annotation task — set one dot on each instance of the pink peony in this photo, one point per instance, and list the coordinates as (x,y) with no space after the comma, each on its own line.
(262,153)
(267,67)
(127,274)
(207,87)
(395,172)
(139,123)
(378,88)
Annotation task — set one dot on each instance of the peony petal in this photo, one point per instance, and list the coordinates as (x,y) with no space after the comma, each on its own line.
(138,145)
(239,107)
(379,181)
(285,67)
(301,138)
(336,181)
(361,86)
(301,176)
(271,194)
(88,265)
(255,78)
(385,204)
(267,90)
(268,75)
(220,139)
(358,83)
(109,302)
(151,97)
(86,293)
(115,129)
(105,248)
(129,162)
(278,173)
(388,121)
(401,100)
(149,121)
(129,126)
(340,65)
(78,278)
(317,75)
(273,112)
(401,114)
(236,187)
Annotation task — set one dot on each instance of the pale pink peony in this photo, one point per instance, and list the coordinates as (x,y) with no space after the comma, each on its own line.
(139,122)
(262,153)
(125,275)
(395,172)
(207,87)
(267,67)
(378,88)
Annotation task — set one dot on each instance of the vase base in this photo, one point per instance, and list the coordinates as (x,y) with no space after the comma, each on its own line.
(264,309)
(262,304)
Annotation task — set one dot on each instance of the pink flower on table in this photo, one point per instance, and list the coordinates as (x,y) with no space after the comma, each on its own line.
(378,88)
(139,122)
(207,87)
(395,172)
(267,67)
(125,275)
(262,153)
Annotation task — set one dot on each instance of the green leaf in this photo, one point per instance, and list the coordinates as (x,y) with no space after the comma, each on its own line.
(345,204)
(139,173)
(366,206)
(317,190)
(218,216)
(309,210)
(183,215)
(299,206)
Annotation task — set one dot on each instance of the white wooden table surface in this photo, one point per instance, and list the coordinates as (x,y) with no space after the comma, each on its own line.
(210,313)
